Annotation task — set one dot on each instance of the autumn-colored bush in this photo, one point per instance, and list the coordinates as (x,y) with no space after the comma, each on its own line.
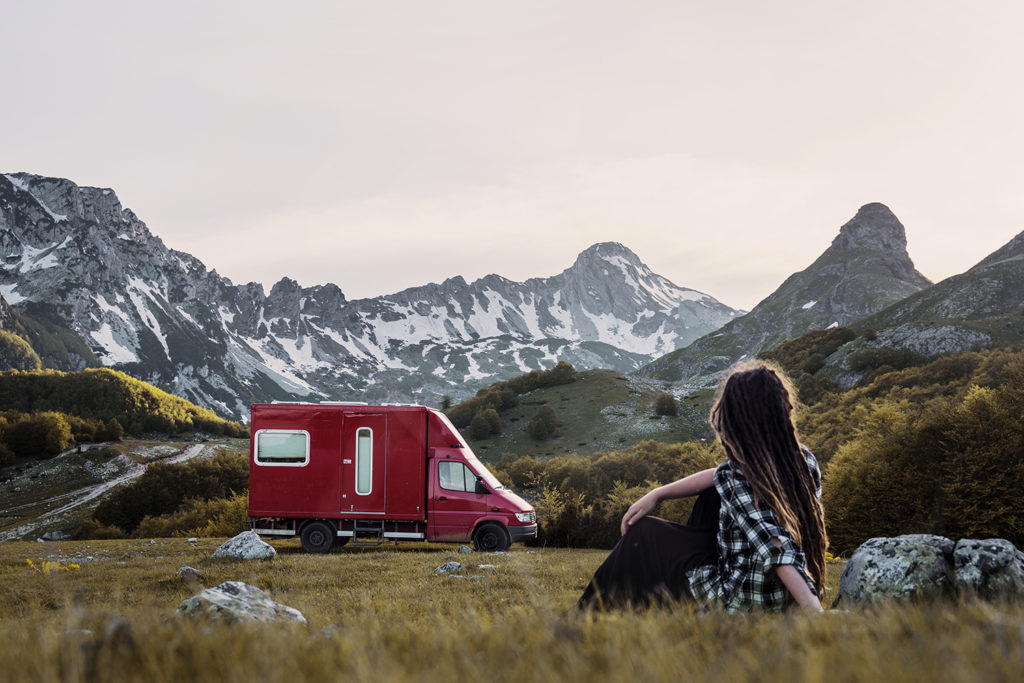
(163,488)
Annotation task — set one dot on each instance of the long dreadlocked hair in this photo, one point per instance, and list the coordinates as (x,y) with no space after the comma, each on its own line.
(753,418)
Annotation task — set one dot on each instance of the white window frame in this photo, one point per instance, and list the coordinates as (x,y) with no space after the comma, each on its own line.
(256,449)
(357,459)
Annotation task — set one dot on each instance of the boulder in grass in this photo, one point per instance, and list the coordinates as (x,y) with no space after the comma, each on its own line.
(911,567)
(992,568)
(234,601)
(246,546)
(449,568)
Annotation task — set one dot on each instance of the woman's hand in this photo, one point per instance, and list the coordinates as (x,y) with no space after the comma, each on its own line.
(638,510)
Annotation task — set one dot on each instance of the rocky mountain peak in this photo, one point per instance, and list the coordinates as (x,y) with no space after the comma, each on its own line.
(608,251)
(874,227)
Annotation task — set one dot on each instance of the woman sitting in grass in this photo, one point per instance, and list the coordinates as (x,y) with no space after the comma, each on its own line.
(756,536)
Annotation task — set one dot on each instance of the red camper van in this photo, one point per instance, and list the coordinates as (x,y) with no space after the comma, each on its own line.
(338,472)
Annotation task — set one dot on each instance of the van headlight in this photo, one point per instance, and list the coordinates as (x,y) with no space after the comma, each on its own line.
(526,516)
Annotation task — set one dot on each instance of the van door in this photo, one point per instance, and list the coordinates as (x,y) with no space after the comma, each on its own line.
(455,506)
(363,463)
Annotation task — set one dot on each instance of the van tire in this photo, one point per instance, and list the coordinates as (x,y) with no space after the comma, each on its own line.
(491,537)
(318,537)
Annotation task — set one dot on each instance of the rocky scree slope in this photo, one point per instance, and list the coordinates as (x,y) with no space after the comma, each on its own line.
(76,258)
(865,269)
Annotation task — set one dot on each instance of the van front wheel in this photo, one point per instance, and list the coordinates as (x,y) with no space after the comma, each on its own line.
(318,537)
(490,537)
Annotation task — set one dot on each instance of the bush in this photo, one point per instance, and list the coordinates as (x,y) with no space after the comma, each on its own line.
(502,395)
(6,456)
(94,530)
(954,469)
(580,500)
(37,434)
(214,517)
(665,404)
(17,354)
(543,424)
(163,488)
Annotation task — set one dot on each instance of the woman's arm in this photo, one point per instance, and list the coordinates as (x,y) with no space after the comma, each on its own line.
(798,588)
(681,488)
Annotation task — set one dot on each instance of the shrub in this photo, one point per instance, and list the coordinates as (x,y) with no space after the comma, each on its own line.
(17,354)
(543,424)
(954,469)
(163,488)
(665,404)
(46,433)
(214,517)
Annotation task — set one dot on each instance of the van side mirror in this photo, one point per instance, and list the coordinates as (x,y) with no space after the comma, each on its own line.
(481,487)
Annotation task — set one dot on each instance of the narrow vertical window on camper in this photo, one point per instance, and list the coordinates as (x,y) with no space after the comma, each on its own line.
(364,460)
(282,447)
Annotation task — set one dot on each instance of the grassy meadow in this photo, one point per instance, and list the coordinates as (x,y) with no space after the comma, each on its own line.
(105,611)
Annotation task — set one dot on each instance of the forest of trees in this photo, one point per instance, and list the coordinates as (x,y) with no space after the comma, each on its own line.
(46,411)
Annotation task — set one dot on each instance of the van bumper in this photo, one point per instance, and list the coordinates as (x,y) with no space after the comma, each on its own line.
(522,533)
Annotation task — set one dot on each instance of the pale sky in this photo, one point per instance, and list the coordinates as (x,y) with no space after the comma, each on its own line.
(386,144)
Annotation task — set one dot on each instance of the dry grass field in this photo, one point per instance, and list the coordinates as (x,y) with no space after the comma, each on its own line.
(105,611)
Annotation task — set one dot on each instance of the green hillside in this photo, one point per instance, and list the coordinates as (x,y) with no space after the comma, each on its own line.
(102,394)
(602,410)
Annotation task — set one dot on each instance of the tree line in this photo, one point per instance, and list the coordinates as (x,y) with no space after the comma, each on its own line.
(48,410)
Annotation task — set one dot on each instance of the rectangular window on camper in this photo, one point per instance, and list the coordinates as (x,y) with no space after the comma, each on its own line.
(282,447)
(364,460)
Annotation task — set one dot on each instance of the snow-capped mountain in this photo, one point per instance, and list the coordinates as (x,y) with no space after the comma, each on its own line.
(76,258)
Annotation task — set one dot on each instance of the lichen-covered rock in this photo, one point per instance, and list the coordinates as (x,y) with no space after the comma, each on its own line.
(915,566)
(448,568)
(237,601)
(190,576)
(991,568)
(246,546)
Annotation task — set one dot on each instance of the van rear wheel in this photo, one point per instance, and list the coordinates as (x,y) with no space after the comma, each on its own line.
(318,537)
(491,537)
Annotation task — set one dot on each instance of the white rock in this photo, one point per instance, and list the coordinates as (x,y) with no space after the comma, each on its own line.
(237,601)
(246,546)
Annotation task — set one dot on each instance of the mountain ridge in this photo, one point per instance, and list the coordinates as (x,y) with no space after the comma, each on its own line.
(162,316)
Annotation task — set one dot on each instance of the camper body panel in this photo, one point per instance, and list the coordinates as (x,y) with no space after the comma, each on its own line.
(404,470)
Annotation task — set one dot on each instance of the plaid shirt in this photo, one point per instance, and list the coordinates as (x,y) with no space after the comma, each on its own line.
(744,577)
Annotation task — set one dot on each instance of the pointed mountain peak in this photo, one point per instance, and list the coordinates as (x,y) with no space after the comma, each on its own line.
(613,252)
(874,227)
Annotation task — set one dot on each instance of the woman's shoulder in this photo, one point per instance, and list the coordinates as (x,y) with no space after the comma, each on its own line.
(812,464)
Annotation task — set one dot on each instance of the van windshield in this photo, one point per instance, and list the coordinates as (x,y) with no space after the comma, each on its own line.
(470,457)
(481,469)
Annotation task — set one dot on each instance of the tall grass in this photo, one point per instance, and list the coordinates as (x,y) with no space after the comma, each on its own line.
(383,615)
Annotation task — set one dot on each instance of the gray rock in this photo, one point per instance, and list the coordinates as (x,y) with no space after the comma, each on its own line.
(991,568)
(193,540)
(55,536)
(910,567)
(246,546)
(448,568)
(235,601)
(465,549)
(190,576)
